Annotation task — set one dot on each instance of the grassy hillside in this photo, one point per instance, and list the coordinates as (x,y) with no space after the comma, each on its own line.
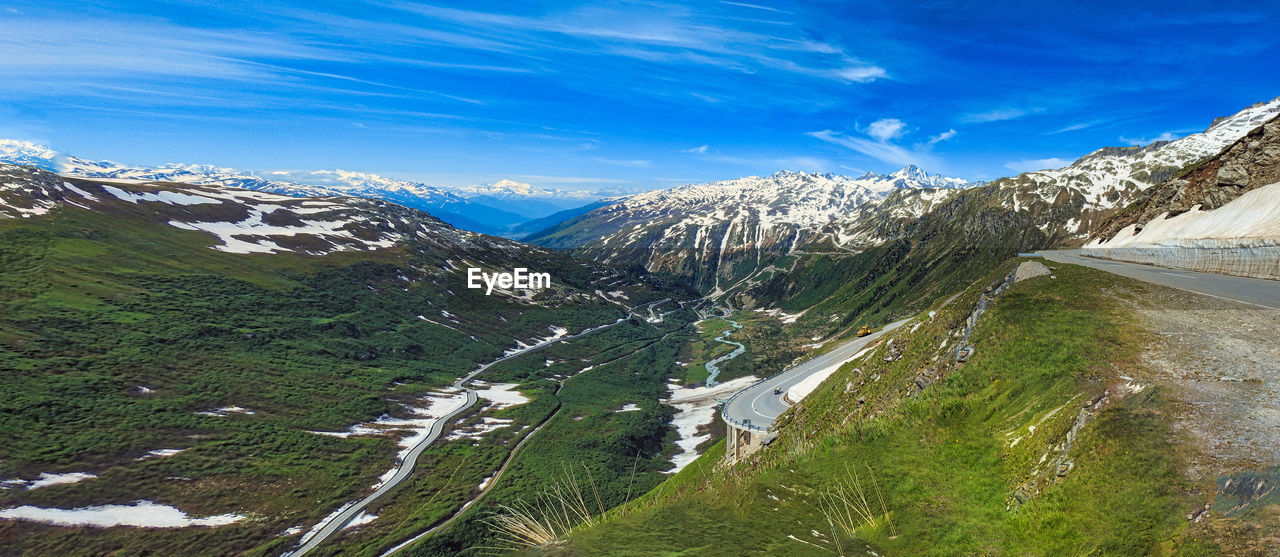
(1034,446)
(117,331)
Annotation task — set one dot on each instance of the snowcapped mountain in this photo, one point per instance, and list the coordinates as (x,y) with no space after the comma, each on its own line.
(194,217)
(1110,178)
(513,190)
(947,237)
(726,231)
(240,221)
(470,214)
(204,231)
(1246,165)
(527,200)
(14,151)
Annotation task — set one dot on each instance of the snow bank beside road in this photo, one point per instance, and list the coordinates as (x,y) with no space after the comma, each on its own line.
(806,386)
(1240,238)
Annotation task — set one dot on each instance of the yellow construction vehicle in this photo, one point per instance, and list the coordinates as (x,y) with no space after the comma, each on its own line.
(864,331)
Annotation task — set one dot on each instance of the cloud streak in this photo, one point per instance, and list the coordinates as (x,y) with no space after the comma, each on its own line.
(879,150)
(1032,165)
(1166,136)
(998,115)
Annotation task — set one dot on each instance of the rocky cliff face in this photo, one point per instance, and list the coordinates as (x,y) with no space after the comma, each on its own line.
(1245,165)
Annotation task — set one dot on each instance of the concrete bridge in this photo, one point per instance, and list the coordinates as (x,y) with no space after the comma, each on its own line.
(750,413)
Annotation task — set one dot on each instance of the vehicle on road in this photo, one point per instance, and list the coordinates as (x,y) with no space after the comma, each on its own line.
(777,390)
(864,331)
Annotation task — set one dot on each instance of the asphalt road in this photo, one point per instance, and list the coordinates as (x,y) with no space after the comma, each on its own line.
(1257,292)
(758,406)
(405,468)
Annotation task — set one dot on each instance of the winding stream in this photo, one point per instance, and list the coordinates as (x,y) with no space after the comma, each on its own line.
(713,366)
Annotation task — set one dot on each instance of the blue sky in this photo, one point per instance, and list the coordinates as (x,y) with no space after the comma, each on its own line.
(629,95)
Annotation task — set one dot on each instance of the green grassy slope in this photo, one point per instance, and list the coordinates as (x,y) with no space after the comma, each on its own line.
(967,465)
(96,304)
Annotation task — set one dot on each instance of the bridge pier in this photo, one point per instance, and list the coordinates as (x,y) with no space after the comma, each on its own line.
(742,442)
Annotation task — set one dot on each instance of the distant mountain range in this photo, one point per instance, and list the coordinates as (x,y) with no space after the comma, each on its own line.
(726,231)
(495,209)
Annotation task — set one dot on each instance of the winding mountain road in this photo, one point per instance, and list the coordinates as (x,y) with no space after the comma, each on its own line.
(1253,291)
(756,407)
(405,467)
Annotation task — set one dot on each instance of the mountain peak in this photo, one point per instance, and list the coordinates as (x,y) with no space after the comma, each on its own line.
(16,151)
(512,186)
(910,171)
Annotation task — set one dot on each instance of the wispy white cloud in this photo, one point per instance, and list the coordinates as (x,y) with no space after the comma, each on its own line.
(664,33)
(943,136)
(807,164)
(1075,127)
(635,163)
(860,74)
(999,114)
(754,6)
(755,164)
(886,129)
(1166,136)
(1031,165)
(879,150)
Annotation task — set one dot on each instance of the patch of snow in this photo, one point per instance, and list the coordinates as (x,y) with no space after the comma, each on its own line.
(695,408)
(141,513)
(502,396)
(253,226)
(431,408)
(629,407)
(160,453)
(557,333)
(314,529)
(360,519)
(1240,238)
(80,192)
(226,411)
(47,479)
(162,196)
(477,431)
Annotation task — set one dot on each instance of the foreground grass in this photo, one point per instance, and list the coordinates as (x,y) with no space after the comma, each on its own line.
(953,478)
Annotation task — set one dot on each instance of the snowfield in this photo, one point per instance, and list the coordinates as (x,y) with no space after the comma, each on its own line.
(1240,238)
(47,479)
(695,409)
(141,513)
(500,395)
